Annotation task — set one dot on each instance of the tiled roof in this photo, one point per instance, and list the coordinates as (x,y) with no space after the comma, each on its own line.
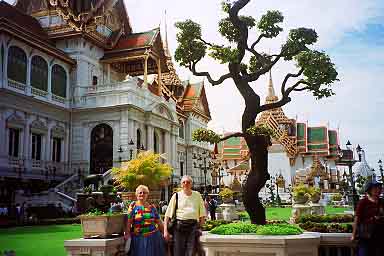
(136,40)
(26,22)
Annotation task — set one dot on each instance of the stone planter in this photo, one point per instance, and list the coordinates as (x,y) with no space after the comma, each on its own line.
(228,212)
(255,245)
(95,247)
(315,198)
(227,200)
(102,226)
(301,199)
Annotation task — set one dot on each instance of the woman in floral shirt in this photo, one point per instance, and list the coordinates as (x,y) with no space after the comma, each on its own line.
(144,226)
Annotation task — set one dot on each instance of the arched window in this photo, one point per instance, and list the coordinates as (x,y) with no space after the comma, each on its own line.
(39,73)
(17,65)
(181,129)
(59,81)
(138,139)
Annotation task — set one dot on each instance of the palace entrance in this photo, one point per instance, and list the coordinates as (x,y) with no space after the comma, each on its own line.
(101,149)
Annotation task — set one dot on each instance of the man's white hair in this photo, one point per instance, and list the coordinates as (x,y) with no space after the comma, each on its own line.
(186,177)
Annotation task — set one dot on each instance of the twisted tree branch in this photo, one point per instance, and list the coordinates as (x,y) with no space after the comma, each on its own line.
(192,68)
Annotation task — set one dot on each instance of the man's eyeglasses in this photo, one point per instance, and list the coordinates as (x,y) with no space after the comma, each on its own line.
(186,182)
(142,192)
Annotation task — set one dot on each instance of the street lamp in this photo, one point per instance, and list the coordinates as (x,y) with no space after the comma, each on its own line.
(121,150)
(346,158)
(202,162)
(381,169)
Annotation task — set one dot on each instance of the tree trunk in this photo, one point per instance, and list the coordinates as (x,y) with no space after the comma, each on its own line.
(257,177)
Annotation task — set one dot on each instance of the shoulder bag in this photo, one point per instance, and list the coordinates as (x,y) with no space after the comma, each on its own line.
(171,227)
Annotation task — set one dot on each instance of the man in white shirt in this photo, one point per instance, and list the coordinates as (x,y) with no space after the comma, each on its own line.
(190,215)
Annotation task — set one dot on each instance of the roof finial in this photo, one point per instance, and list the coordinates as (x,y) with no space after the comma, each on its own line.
(166,48)
(271,97)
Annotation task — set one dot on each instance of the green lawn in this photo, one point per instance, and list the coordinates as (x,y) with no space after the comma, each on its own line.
(38,240)
(275,213)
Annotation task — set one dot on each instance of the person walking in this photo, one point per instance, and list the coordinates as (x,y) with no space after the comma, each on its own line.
(190,215)
(368,228)
(144,226)
(212,205)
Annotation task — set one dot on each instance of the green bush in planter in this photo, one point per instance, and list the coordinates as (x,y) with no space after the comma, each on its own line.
(248,228)
(342,218)
(279,229)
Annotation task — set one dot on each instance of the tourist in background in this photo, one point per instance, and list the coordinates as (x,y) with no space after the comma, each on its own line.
(212,205)
(144,226)
(368,226)
(190,215)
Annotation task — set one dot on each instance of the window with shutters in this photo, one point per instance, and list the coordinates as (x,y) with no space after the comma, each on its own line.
(59,81)
(17,65)
(39,73)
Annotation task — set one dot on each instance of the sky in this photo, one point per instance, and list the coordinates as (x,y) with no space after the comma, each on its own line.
(350,31)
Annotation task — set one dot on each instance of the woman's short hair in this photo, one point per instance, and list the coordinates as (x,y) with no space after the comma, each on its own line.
(142,187)
(186,177)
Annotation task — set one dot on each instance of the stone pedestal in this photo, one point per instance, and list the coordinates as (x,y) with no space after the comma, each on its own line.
(254,245)
(299,210)
(95,247)
(317,209)
(228,212)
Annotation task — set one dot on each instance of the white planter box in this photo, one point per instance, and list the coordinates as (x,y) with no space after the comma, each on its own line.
(306,244)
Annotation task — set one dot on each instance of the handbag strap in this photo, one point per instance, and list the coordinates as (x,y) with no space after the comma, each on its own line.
(176,206)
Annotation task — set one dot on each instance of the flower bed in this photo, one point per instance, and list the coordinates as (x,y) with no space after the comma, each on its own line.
(248,228)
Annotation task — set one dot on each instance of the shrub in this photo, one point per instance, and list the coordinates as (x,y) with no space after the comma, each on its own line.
(248,228)
(210,224)
(279,229)
(327,227)
(342,218)
(337,197)
(226,193)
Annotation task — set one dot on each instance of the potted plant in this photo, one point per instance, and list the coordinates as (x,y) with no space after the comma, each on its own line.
(300,194)
(315,194)
(226,195)
(99,224)
(145,169)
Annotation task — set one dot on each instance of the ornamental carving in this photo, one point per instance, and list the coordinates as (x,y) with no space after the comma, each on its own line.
(15,120)
(58,131)
(39,126)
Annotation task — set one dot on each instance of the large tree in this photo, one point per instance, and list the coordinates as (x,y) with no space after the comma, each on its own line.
(246,63)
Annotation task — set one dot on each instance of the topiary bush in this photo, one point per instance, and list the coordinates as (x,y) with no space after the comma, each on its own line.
(327,227)
(210,224)
(248,228)
(342,218)
(279,229)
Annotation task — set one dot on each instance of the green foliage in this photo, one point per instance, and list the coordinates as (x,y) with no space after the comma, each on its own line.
(224,54)
(327,227)
(145,169)
(190,49)
(226,6)
(279,229)
(298,40)
(300,190)
(226,193)
(336,197)
(360,184)
(235,228)
(260,130)
(318,70)
(210,224)
(248,228)
(106,189)
(87,190)
(328,218)
(205,135)
(268,24)
(230,32)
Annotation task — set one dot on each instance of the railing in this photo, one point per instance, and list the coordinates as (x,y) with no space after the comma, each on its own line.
(58,98)
(38,92)
(37,163)
(130,84)
(17,85)
(336,244)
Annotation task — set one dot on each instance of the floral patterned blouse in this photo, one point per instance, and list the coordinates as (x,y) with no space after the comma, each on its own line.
(143,219)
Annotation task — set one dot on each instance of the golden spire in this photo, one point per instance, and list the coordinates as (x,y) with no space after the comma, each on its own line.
(271,97)
(166,48)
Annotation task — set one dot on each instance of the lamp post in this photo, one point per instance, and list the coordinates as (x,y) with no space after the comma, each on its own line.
(381,170)
(346,158)
(121,150)
(202,162)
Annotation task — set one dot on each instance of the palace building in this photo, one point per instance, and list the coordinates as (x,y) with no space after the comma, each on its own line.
(299,153)
(81,92)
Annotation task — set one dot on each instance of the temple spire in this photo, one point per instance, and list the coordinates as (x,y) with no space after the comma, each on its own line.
(271,97)
(166,48)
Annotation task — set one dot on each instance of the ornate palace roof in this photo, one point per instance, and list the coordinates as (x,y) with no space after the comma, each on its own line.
(195,100)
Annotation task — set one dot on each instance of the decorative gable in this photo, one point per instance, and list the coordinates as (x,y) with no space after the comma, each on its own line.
(16,121)
(39,126)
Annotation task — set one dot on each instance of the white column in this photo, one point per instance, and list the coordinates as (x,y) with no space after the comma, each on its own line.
(167,146)
(48,146)
(29,75)
(26,146)
(174,150)
(108,73)
(5,65)
(150,138)
(50,82)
